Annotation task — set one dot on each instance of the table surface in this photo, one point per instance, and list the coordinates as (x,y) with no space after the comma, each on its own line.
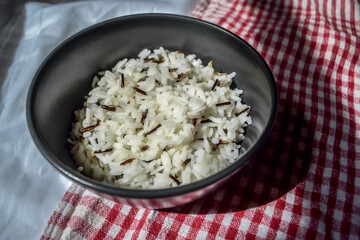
(30,188)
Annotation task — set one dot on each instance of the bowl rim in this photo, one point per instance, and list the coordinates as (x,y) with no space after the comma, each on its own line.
(152,193)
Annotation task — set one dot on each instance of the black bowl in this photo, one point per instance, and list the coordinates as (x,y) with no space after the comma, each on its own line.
(64,78)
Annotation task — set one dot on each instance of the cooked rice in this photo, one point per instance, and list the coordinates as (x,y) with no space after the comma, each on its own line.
(159,121)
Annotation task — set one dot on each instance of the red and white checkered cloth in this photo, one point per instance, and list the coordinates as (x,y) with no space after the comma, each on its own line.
(306,182)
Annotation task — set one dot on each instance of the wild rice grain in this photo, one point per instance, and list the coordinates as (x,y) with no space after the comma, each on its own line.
(111,108)
(122,80)
(183,75)
(143,116)
(206,121)
(127,161)
(90,128)
(194,121)
(148,161)
(142,79)
(104,151)
(215,84)
(144,148)
(222,104)
(242,111)
(153,130)
(187,161)
(140,91)
(175,179)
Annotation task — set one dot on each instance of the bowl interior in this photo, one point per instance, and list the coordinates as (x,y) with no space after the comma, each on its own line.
(62,81)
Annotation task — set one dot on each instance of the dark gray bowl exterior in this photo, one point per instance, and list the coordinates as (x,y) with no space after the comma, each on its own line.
(65,76)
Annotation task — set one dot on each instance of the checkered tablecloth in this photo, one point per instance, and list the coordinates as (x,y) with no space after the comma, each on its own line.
(305,184)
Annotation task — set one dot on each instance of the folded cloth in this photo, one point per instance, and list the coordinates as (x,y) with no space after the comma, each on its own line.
(305,183)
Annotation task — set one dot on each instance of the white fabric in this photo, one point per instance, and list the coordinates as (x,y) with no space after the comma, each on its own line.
(30,187)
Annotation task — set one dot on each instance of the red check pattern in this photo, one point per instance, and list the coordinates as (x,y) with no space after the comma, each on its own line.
(305,183)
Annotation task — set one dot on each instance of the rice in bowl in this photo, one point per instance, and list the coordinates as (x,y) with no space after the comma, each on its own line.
(157,121)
